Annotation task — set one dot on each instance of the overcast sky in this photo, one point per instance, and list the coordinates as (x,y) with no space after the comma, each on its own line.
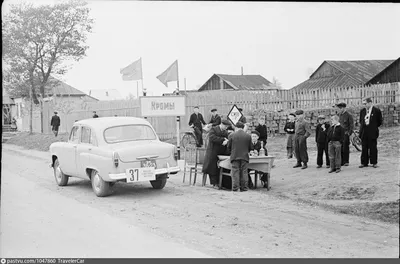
(282,40)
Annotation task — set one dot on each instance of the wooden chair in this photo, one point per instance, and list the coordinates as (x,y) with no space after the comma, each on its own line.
(194,159)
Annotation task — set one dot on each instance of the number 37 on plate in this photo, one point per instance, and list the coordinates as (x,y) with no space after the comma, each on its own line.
(132,175)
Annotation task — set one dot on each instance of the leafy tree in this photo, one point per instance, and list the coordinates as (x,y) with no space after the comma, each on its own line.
(39,41)
(276,82)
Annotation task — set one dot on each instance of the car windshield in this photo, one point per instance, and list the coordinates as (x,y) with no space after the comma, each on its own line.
(129,133)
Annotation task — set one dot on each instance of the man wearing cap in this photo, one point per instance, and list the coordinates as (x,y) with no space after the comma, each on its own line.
(196,120)
(370,121)
(55,123)
(95,115)
(347,122)
(217,141)
(302,132)
(321,139)
(289,129)
(215,118)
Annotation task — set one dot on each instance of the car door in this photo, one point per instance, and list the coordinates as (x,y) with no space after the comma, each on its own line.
(84,151)
(68,160)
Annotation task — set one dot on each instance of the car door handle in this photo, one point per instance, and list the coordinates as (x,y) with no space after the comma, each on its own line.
(74,146)
(89,148)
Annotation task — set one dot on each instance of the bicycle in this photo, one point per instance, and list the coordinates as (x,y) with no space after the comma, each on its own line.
(356,140)
(189,139)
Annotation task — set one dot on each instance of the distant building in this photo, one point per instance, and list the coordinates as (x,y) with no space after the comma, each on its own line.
(237,82)
(8,108)
(106,94)
(331,74)
(390,74)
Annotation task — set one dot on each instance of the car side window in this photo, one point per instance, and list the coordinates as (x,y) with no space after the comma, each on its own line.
(85,135)
(74,136)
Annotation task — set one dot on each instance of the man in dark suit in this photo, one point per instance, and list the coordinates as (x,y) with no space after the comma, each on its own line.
(239,145)
(215,118)
(217,141)
(370,121)
(347,122)
(196,120)
(55,123)
(95,115)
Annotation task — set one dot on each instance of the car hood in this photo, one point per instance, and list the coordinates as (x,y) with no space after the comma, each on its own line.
(130,151)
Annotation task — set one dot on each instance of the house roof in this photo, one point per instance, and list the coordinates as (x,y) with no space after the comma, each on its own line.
(353,73)
(244,82)
(106,94)
(388,68)
(61,88)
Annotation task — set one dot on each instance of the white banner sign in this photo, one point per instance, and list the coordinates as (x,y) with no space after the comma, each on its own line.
(162,106)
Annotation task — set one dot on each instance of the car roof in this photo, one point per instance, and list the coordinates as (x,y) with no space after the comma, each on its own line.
(105,122)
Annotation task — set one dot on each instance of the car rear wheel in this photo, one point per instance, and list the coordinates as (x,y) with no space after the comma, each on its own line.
(100,187)
(158,184)
(61,178)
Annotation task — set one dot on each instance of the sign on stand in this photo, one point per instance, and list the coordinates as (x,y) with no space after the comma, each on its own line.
(165,106)
(234,115)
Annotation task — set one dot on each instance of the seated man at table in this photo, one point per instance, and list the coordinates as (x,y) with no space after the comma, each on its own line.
(239,145)
(255,151)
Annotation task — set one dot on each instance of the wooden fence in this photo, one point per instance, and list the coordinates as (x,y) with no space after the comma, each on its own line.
(251,101)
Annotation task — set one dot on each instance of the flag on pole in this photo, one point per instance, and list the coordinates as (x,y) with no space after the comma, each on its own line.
(170,74)
(133,71)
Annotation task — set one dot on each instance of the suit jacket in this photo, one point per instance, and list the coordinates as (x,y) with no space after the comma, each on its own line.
(321,134)
(336,133)
(262,129)
(215,139)
(256,146)
(302,128)
(215,120)
(375,120)
(347,122)
(55,121)
(197,120)
(239,145)
(289,126)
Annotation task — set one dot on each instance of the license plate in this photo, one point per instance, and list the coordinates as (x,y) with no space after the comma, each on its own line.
(140,174)
(148,163)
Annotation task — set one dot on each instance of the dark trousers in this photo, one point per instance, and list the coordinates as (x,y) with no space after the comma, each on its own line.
(369,152)
(321,149)
(290,145)
(346,149)
(300,148)
(239,174)
(199,135)
(55,130)
(335,154)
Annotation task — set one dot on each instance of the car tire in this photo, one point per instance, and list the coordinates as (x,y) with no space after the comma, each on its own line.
(100,187)
(159,184)
(61,178)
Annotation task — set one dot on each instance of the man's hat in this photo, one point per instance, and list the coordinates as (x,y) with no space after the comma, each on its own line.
(196,107)
(292,114)
(321,117)
(341,104)
(55,113)
(226,122)
(214,109)
(239,125)
(255,132)
(299,112)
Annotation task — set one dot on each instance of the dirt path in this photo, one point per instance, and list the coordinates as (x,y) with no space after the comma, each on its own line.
(216,223)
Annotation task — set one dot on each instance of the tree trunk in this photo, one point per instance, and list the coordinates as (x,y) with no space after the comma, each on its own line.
(41,116)
(31,115)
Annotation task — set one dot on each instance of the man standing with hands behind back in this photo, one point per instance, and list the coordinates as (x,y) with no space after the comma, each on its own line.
(346,121)
(55,123)
(370,121)
(302,131)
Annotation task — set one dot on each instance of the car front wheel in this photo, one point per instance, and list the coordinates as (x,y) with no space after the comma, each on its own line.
(100,187)
(61,178)
(158,184)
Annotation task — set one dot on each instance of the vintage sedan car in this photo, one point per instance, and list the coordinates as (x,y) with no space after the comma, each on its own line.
(110,149)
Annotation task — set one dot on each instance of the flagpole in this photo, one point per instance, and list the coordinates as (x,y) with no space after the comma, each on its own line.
(177,73)
(141,68)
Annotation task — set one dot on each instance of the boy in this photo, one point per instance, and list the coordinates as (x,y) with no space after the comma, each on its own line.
(335,141)
(322,141)
(302,132)
(256,146)
(263,133)
(289,129)
(239,145)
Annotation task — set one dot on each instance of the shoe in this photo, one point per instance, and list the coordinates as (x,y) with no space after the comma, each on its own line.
(375,166)
(362,166)
(319,166)
(328,166)
(346,164)
(235,190)
(244,190)
(304,166)
(338,170)
(297,165)
(331,170)
(289,157)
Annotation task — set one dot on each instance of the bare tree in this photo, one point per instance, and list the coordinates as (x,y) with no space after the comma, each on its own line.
(276,82)
(39,41)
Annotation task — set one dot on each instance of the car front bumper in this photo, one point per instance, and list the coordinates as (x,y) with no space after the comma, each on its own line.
(168,170)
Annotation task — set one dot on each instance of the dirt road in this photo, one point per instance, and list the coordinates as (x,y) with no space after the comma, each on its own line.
(38,217)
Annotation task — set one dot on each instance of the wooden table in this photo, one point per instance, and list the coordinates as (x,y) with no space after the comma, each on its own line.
(260,163)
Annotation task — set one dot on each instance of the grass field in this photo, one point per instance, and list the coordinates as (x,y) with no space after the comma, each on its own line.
(367,192)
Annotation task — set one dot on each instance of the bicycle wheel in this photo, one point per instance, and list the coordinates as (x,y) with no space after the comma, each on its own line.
(188,141)
(356,141)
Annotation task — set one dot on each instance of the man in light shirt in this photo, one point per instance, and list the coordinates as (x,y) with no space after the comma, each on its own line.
(370,121)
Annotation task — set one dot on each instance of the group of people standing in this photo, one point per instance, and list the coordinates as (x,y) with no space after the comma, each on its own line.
(332,137)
